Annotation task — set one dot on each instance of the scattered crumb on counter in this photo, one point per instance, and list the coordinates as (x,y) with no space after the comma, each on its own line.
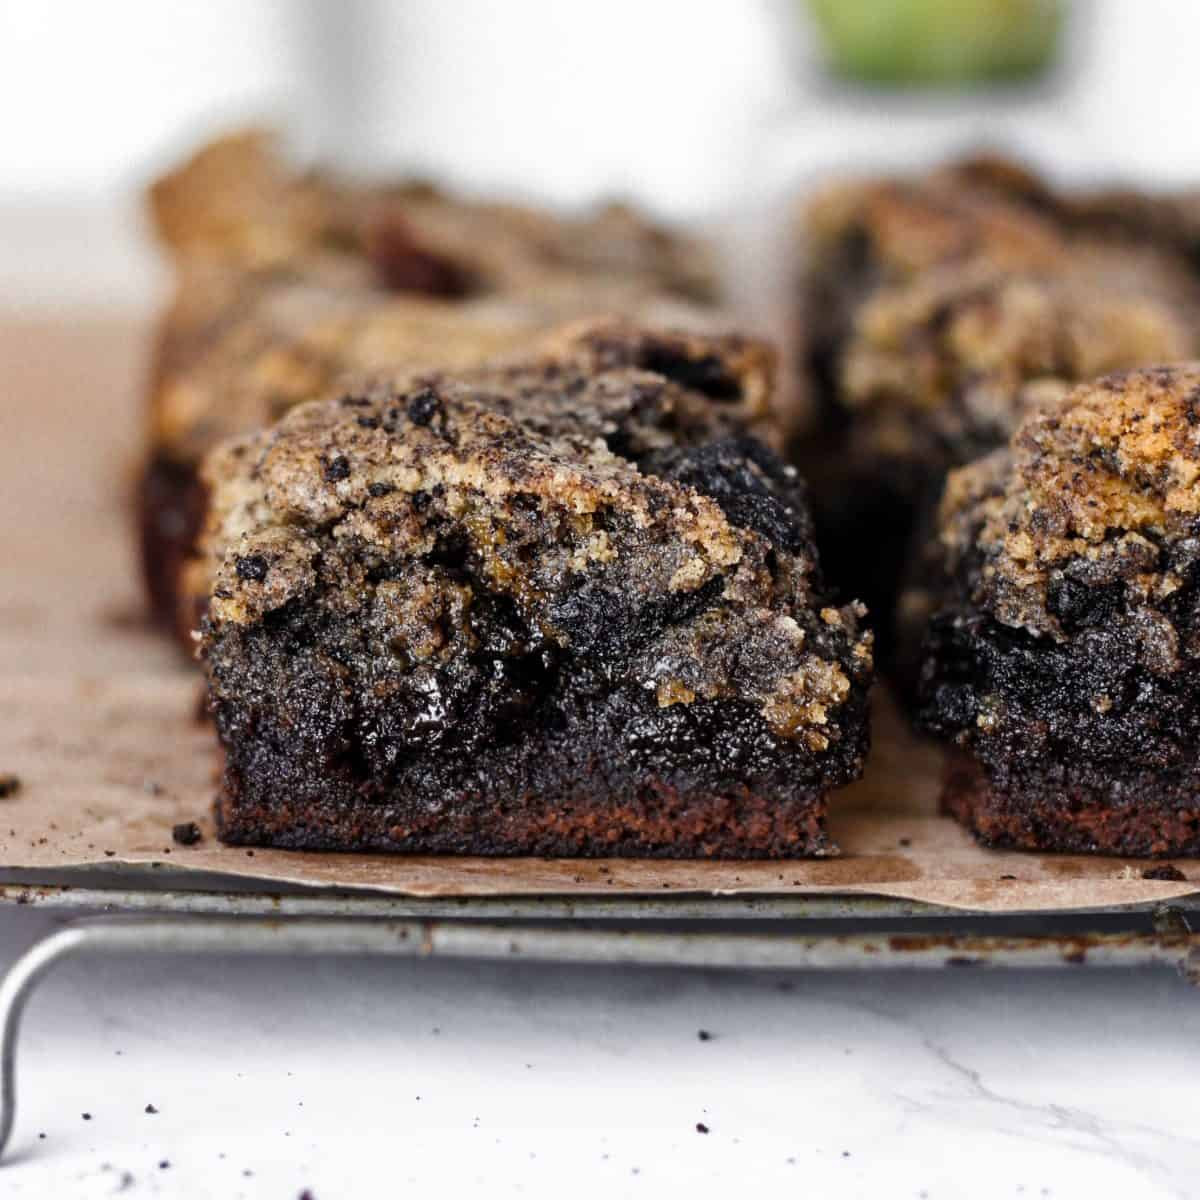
(1166,871)
(186,834)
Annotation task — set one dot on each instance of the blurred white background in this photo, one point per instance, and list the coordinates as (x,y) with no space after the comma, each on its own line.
(693,108)
(558,99)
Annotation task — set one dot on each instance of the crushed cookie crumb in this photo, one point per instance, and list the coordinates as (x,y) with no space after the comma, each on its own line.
(251,567)
(338,468)
(423,406)
(1167,872)
(186,834)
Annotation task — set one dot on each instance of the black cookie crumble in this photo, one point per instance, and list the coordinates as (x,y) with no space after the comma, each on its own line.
(584,616)
(186,834)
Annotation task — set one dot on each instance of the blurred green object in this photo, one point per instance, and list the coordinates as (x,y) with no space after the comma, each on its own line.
(939,41)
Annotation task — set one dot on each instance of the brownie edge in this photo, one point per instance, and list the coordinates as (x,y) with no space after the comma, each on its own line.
(171,503)
(654,820)
(562,605)
(1041,814)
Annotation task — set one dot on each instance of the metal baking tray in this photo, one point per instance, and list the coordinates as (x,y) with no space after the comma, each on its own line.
(136,910)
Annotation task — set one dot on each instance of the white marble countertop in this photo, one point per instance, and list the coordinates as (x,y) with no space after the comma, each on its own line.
(412,1078)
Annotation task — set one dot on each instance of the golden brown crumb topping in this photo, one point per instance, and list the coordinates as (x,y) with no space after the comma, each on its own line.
(552,482)
(287,341)
(1103,484)
(941,306)
(913,225)
(238,201)
(956,354)
(286,281)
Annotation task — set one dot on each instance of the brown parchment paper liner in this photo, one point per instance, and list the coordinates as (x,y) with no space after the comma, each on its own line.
(98,714)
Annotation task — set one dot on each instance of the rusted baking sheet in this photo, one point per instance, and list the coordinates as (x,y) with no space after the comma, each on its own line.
(98,714)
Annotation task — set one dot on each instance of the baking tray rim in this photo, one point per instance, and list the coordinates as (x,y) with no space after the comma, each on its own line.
(161,888)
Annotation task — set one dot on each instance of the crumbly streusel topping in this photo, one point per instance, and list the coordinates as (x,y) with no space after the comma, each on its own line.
(556,479)
(288,281)
(994,210)
(956,355)
(290,340)
(1099,488)
(913,225)
(959,295)
(239,201)
(235,200)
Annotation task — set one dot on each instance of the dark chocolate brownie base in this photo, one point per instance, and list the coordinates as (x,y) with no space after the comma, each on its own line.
(608,766)
(1151,818)
(652,825)
(171,503)
(1056,771)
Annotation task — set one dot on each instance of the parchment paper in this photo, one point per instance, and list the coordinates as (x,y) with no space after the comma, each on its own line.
(98,712)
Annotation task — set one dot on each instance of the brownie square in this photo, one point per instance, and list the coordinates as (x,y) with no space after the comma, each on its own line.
(938,309)
(1063,661)
(240,203)
(563,605)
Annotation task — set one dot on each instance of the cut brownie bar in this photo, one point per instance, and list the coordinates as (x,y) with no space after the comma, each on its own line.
(287,281)
(1063,662)
(937,307)
(558,606)
(238,203)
